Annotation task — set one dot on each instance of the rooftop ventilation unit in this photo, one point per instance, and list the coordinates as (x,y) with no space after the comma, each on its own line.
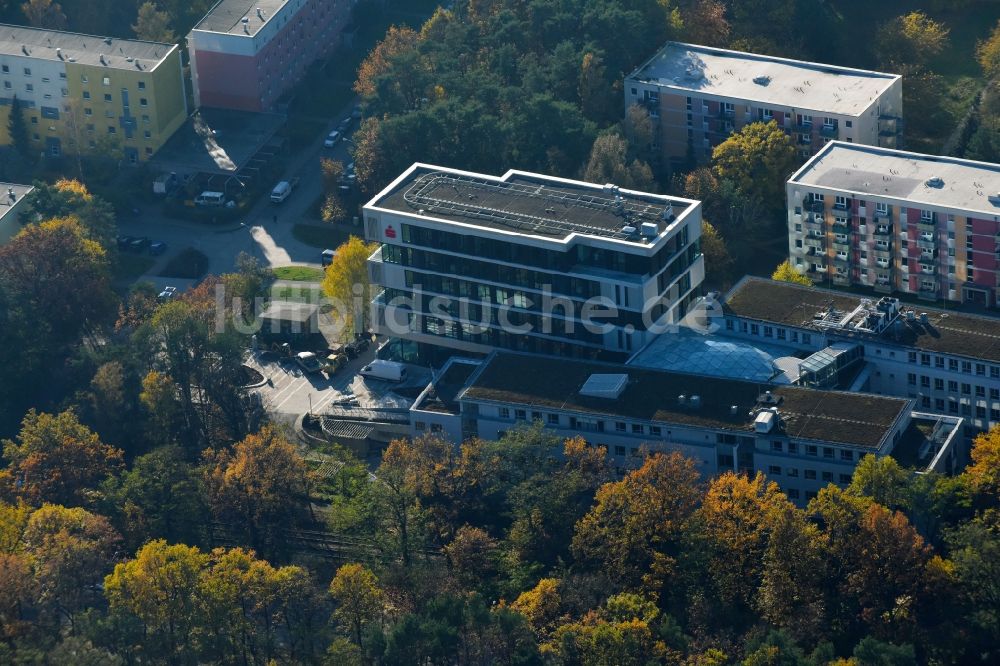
(694,402)
(768,398)
(107,40)
(609,387)
(734,410)
(11,196)
(24,50)
(260,13)
(934,182)
(59,53)
(103,61)
(682,399)
(762,80)
(995,199)
(649,230)
(765,421)
(629,230)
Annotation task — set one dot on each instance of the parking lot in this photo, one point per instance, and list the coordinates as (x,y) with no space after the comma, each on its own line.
(292,392)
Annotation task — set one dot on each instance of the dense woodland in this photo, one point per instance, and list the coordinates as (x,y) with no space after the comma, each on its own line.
(150,514)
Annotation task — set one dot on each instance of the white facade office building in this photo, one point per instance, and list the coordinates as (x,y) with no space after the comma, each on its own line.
(469,263)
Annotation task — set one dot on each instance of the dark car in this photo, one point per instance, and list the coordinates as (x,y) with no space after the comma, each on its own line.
(357,346)
(138,244)
(157,248)
(124,242)
(345,124)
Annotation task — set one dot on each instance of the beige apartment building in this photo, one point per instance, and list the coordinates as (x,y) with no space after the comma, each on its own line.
(698,95)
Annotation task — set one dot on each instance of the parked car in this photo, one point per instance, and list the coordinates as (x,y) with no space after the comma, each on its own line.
(331,139)
(326,256)
(283,189)
(356,112)
(345,124)
(138,244)
(124,242)
(156,248)
(357,346)
(309,362)
(334,362)
(168,293)
(210,199)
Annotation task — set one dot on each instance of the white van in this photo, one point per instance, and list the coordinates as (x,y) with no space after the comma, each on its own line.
(281,191)
(388,370)
(208,198)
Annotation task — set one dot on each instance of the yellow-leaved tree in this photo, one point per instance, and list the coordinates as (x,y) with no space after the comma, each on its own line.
(785,272)
(346,284)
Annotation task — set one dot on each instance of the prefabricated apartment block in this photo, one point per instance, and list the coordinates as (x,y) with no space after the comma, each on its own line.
(81,93)
(698,95)
(246,54)
(896,221)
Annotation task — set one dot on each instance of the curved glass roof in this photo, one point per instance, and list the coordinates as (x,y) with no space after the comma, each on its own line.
(687,351)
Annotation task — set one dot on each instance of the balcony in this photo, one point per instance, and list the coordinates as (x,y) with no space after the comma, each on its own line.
(882,286)
(842,279)
(928,269)
(829,131)
(841,224)
(802,128)
(813,205)
(927,226)
(883,230)
(726,113)
(815,243)
(821,269)
(843,245)
(928,294)
(842,261)
(926,243)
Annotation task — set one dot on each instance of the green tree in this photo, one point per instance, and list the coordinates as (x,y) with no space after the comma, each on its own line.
(883,480)
(785,272)
(17,130)
(153,25)
(159,497)
(56,459)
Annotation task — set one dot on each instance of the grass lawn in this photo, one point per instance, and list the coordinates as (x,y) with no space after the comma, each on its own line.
(328,236)
(130,266)
(188,264)
(299,273)
(290,293)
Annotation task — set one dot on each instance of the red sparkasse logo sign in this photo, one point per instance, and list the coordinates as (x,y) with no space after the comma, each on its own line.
(390,232)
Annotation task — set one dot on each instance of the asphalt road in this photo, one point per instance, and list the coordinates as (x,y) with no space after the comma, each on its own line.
(258,234)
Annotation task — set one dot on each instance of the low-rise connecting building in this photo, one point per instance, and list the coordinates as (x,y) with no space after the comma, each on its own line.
(698,95)
(948,362)
(896,221)
(469,263)
(801,438)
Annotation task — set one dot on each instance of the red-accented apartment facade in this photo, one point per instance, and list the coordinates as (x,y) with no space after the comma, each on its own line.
(246,54)
(897,222)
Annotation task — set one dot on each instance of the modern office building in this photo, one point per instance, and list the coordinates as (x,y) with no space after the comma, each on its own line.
(80,92)
(802,438)
(246,54)
(947,362)
(470,263)
(698,95)
(895,221)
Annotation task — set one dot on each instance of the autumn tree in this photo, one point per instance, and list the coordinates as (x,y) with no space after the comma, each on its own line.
(55,458)
(159,588)
(785,272)
(984,472)
(633,532)
(473,555)
(718,260)
(705,23)
(910,41)
(609,163)
(757,159)
(44,14)
(359,599)
(71,550)
(883,480)
(988,53)
(258,486)
(346,284)
(735,521)
(397,40)
(153,25)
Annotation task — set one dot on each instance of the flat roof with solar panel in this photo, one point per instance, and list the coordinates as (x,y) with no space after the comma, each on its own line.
(532,204)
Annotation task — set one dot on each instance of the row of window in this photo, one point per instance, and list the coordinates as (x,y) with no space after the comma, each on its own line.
(954,364)
(812,450)
(769,331)
(807,474)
